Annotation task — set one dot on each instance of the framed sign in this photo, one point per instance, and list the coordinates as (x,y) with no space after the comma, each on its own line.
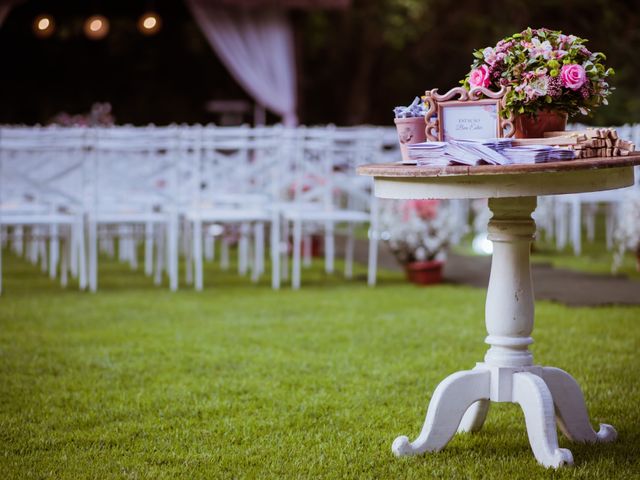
(475,114)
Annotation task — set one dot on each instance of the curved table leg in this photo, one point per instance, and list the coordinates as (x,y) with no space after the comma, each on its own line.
(475,416)
(451,399)
(571,411)
(532,394)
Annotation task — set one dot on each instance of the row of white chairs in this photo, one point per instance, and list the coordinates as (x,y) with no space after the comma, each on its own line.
(174,188)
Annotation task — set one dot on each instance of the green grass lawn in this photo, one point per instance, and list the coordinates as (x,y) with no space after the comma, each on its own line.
(239,381)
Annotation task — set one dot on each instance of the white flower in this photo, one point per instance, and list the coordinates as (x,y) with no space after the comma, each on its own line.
(538,48)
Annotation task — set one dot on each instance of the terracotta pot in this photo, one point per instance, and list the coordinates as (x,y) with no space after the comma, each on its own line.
(410,130)
(534,126)
(425,273)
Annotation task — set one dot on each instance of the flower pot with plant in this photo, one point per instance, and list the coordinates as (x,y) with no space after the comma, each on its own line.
(418,233)
(549,76)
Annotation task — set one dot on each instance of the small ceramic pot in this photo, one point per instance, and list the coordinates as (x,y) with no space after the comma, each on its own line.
(410,130)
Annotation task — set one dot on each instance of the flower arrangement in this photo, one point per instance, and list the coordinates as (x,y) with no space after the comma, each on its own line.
(100,115)
(418,230)
(543,70)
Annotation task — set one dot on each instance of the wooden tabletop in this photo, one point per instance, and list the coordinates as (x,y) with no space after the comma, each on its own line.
(413,171)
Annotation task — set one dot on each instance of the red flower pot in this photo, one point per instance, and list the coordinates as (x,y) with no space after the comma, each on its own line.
(425,273)
(534,126)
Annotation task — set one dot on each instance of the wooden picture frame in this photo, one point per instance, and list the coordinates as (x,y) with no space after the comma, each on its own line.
(475,113)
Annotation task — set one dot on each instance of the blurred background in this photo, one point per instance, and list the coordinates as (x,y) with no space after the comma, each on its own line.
(354,59)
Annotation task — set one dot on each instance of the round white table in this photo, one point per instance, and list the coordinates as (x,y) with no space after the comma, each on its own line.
(508,374)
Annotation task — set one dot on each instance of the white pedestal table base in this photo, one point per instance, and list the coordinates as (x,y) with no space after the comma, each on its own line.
(546,394)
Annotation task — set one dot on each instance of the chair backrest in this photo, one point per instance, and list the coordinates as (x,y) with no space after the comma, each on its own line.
(134,168)
(236,166)
(42,168)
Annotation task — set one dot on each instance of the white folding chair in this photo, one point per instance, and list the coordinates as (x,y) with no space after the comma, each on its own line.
(325,193)
(133,185)
(41,178)
(233,186)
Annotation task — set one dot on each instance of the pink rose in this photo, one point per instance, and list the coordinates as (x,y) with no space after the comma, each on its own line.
(479,77)
(573,76)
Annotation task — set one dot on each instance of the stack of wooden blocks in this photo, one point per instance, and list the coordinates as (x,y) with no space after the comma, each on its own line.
(593,142)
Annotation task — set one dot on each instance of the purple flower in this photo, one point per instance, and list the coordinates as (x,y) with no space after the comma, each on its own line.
(554,87)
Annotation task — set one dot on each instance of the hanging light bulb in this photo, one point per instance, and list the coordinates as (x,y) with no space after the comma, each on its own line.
(96,27)
(149,23)
(44,26)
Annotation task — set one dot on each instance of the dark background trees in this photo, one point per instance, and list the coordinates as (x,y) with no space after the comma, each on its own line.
(355,65)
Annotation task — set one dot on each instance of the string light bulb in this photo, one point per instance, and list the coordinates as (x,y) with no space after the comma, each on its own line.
(96,27)
(44,26)
(149,23)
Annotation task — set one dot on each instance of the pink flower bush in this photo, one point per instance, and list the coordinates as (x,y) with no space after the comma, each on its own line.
(573,76)
(424,209)
(542,69)
(480,77)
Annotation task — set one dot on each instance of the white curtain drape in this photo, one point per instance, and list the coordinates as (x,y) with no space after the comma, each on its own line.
(5,8)
(256,46)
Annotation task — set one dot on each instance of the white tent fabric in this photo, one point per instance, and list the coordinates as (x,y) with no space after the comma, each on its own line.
(256,46)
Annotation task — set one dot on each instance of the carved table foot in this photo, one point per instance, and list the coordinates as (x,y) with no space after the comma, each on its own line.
(532,394)
(450,401)
(571,411)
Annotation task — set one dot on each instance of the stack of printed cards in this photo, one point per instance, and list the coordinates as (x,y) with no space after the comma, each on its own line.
(428,153)
(493,151)
(528,154)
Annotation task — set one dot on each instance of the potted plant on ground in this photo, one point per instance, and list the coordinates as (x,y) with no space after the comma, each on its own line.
(418,233)
(549,76)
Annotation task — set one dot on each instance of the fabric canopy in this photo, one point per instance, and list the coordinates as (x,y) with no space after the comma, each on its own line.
(256,46)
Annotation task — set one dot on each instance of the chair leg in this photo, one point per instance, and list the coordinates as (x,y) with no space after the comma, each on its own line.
(93,256)
(121,244)
(54,250)
(64,260)
(576,224)
(224,254)
(33,245)
(81,252)
(610,223)
(372,269)
(73,251)
(18,241)
(348,252)
(188,252)
(285,254)
(209,248)
(275,252)
(172,226)
(329,248)
(132,245)
(243,249)
(42,250)
(160,256)
(148,249)
(306,250)
(258,248)
(1,261)
(297,246)
(561,226)
(197,254)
